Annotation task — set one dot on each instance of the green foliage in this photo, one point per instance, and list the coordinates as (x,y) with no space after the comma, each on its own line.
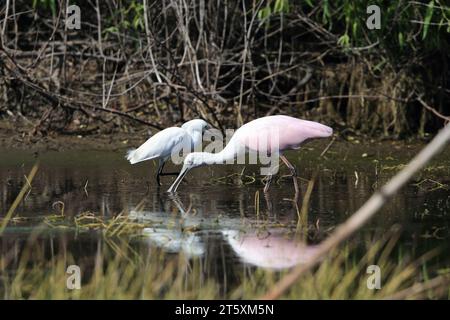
(401,40)
(427,20)
(281,6)
(344,40)
(131,17)
(45,4)
(275,7)
(402,18)
(137,13)
(264,13)
(326,12)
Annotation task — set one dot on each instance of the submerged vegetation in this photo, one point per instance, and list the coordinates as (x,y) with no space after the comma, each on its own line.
(157,63)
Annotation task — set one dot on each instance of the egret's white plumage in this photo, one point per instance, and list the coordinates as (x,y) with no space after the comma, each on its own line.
(169,142)
(160,145)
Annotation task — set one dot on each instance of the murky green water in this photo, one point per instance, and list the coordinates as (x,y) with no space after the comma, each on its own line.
(220,217)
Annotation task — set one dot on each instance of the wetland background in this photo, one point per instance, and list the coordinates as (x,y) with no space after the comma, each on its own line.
(75,100)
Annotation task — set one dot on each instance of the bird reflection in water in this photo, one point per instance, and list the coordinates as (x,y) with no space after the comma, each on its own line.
(265,246)
(173,233)
(272,250)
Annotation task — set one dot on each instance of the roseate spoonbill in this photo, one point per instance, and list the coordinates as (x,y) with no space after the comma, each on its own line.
(273,134)
(167,142)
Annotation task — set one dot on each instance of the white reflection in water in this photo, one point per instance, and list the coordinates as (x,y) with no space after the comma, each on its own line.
(171,240)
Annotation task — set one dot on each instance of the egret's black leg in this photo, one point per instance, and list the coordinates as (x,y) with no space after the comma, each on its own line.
(159,172)
(169,173)
(293,172)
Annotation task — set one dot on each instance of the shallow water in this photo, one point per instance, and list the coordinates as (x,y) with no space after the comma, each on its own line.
(220,217)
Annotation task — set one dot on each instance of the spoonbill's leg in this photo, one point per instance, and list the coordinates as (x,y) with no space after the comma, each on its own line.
(269,204)
(269,178)
(293,172)
(268,181)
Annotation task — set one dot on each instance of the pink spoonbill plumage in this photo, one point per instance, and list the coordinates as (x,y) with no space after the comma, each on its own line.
(271,134)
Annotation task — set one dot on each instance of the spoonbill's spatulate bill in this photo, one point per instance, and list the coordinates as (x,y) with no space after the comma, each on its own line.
(167,142)
(280,132)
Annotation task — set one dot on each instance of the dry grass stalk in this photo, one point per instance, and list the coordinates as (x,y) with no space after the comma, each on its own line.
(23,191)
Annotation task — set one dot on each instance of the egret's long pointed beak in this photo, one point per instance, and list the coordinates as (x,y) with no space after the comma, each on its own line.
(176,183)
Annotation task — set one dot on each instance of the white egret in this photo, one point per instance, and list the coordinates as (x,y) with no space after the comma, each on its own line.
(169,142)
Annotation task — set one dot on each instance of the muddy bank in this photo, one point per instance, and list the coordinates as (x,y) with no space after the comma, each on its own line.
(13,138)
